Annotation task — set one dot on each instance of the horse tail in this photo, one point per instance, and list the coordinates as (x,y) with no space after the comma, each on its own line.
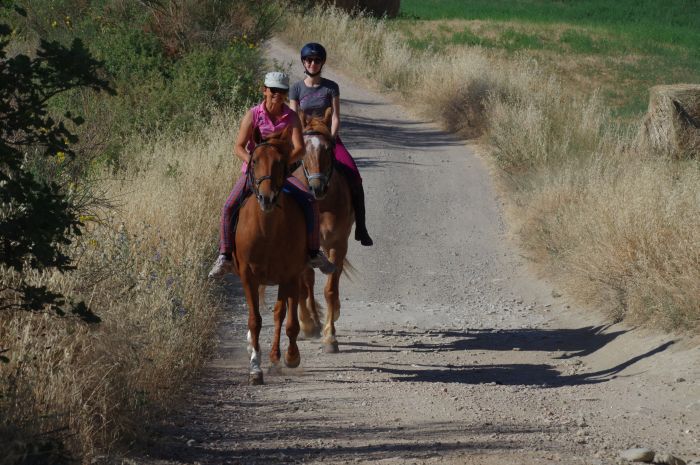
(349,270)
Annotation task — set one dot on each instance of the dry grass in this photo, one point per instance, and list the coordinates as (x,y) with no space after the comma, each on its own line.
(615,225)
(141,267)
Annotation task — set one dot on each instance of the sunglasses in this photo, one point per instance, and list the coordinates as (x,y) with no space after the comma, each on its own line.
(316,61)
(277,90)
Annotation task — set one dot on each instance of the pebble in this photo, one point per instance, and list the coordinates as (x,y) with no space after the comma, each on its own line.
(639,454)
(191,442)
(667,459)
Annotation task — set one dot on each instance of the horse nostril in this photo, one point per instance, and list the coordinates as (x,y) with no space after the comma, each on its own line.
(267,202)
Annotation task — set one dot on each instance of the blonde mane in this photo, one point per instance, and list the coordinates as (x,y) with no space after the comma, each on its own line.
(318,125)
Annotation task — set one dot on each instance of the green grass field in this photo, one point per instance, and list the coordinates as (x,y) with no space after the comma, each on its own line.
(621,48)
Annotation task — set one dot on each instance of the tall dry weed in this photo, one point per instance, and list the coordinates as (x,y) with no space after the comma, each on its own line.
(141,268)
(622,233)
(618,227)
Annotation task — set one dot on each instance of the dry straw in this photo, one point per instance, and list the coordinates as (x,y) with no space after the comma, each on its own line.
(671,127)
(141,267)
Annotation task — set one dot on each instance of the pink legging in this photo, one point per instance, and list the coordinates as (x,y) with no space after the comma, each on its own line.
(347,164)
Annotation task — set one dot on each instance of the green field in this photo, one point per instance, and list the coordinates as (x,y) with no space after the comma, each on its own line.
(621,47)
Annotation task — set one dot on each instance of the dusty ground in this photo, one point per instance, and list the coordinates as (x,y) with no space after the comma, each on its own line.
(452,352)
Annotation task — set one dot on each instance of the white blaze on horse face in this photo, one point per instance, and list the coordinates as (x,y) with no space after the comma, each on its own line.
(314,142)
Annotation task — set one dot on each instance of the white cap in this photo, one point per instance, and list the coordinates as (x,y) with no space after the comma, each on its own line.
(277,79)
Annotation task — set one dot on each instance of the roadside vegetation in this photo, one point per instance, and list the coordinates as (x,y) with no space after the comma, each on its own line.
(616,226)
(143,181)
(620,49)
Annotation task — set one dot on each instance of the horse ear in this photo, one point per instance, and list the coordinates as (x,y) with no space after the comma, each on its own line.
(327,116)
(257,137)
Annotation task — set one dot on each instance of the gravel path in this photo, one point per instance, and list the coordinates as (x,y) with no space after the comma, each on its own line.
(451,351)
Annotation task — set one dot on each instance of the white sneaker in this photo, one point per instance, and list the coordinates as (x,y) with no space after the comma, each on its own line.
(319,260)
(221,267)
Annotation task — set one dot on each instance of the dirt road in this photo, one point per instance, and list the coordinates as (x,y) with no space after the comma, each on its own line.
(451,351)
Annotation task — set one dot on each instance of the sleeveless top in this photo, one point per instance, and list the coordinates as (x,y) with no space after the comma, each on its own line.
(262,121)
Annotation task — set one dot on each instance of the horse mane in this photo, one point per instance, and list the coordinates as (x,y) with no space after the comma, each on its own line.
(281,141)
(317,124)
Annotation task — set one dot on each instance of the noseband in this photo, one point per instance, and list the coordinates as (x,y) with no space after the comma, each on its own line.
(324,177)
(255,182)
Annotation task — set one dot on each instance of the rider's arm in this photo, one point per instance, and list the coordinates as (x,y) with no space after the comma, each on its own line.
(297,141)
(335,119)
(294,105)
(244,135)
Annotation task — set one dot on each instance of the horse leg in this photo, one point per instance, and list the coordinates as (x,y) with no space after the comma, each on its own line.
(292,358)
(254,326)
(279,318)
(308,313)
(332,294)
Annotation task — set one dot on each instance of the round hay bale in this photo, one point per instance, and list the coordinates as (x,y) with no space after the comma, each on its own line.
(376,8)
(671,126)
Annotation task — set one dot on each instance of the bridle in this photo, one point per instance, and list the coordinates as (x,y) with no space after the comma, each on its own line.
(255,182)
(326,176)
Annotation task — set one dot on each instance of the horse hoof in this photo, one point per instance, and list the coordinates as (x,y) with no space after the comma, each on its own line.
(256,379)
(331,348)
(292,363)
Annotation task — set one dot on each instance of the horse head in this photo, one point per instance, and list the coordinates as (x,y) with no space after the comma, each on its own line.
(319,160)
(267,170)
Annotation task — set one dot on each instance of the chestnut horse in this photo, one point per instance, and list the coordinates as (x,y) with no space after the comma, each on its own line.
(337,217)
(270,248)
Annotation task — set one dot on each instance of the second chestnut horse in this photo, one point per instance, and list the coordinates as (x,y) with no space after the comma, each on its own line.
(337,216)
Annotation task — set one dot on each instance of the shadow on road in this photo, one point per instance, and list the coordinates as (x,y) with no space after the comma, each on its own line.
(572,342)
(312,439)
(366,133)
(510,374)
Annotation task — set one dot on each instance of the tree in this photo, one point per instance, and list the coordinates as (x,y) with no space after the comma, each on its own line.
(37,219)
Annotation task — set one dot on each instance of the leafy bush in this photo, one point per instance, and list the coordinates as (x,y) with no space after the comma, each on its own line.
(36,218)
(173,63)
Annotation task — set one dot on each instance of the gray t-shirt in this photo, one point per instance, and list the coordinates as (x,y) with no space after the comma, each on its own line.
(314,100)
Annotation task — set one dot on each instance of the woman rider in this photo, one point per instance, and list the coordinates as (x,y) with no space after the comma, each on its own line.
(270,116)
(314,94)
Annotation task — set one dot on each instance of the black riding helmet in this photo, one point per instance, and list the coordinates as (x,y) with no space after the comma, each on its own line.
(310,50)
